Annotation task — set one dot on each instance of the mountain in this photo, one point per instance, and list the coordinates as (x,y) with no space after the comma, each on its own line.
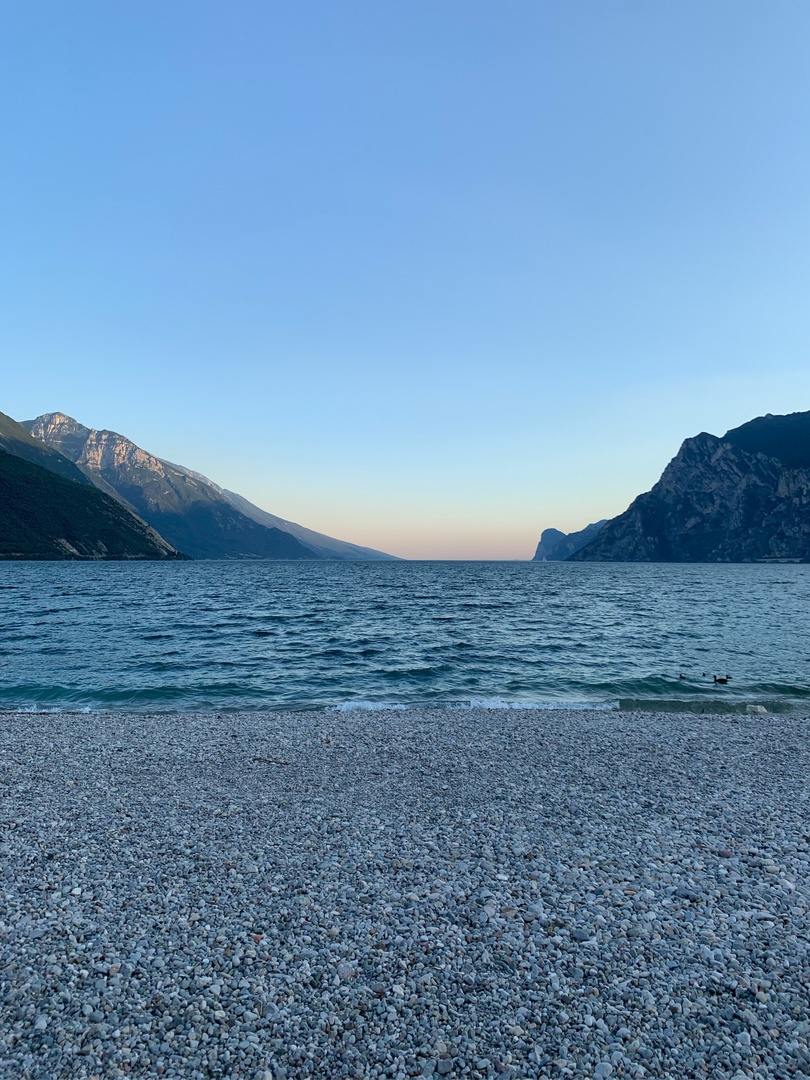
(185,507)
(555,546)
(46,516)
(326,546)
(187,512)
(16,439)
(744,497)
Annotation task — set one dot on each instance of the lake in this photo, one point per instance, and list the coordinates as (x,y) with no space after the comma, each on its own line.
(258,635)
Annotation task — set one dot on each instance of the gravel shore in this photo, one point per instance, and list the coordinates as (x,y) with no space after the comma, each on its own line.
(466,892)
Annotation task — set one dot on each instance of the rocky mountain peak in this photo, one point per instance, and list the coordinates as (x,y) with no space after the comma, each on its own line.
(89,447)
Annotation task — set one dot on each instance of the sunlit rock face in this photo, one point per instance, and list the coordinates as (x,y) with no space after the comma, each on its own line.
(744,497)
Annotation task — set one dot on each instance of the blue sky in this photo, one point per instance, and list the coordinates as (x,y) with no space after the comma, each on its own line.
(426,276)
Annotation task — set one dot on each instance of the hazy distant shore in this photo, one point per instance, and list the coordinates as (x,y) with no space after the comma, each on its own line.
(466,893)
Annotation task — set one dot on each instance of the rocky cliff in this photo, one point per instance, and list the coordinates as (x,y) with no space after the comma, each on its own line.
(744,497)
(555,546)
(188,512)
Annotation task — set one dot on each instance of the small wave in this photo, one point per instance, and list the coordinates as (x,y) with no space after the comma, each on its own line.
(474,703)
(580,706)
(370,706)
(48,710)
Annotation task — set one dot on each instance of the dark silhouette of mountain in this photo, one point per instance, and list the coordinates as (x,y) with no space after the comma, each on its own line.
(46,516)
(744,497)
(189,512)
(555,546)
(786,438)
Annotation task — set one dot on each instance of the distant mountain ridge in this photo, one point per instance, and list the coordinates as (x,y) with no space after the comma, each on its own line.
(189,510)
(744,497)
(327,546)
(555,546)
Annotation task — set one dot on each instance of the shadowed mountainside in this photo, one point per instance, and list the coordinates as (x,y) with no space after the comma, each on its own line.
(327,546)
(744,497)
(555,546)
(46,516)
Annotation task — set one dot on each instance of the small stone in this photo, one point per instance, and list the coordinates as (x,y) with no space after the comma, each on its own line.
(603,1070)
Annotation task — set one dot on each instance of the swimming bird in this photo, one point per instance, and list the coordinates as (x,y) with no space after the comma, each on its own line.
(723,679)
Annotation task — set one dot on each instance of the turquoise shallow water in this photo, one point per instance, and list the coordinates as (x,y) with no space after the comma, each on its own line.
(259,635)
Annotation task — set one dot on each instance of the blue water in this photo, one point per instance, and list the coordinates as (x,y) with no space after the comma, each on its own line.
(257,635)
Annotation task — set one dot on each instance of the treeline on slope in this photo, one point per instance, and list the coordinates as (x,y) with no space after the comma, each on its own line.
(47,516)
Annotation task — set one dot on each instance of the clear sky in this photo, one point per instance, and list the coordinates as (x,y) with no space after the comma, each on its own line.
(428,275)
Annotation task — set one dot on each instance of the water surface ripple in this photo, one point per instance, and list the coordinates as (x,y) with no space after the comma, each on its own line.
(260,635)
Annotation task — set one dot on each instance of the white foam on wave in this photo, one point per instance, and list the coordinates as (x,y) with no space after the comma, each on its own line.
(580,706)
(475,703)
(47,710)
(369,706)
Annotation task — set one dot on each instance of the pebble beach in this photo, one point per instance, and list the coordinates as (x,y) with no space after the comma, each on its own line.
(454,892)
